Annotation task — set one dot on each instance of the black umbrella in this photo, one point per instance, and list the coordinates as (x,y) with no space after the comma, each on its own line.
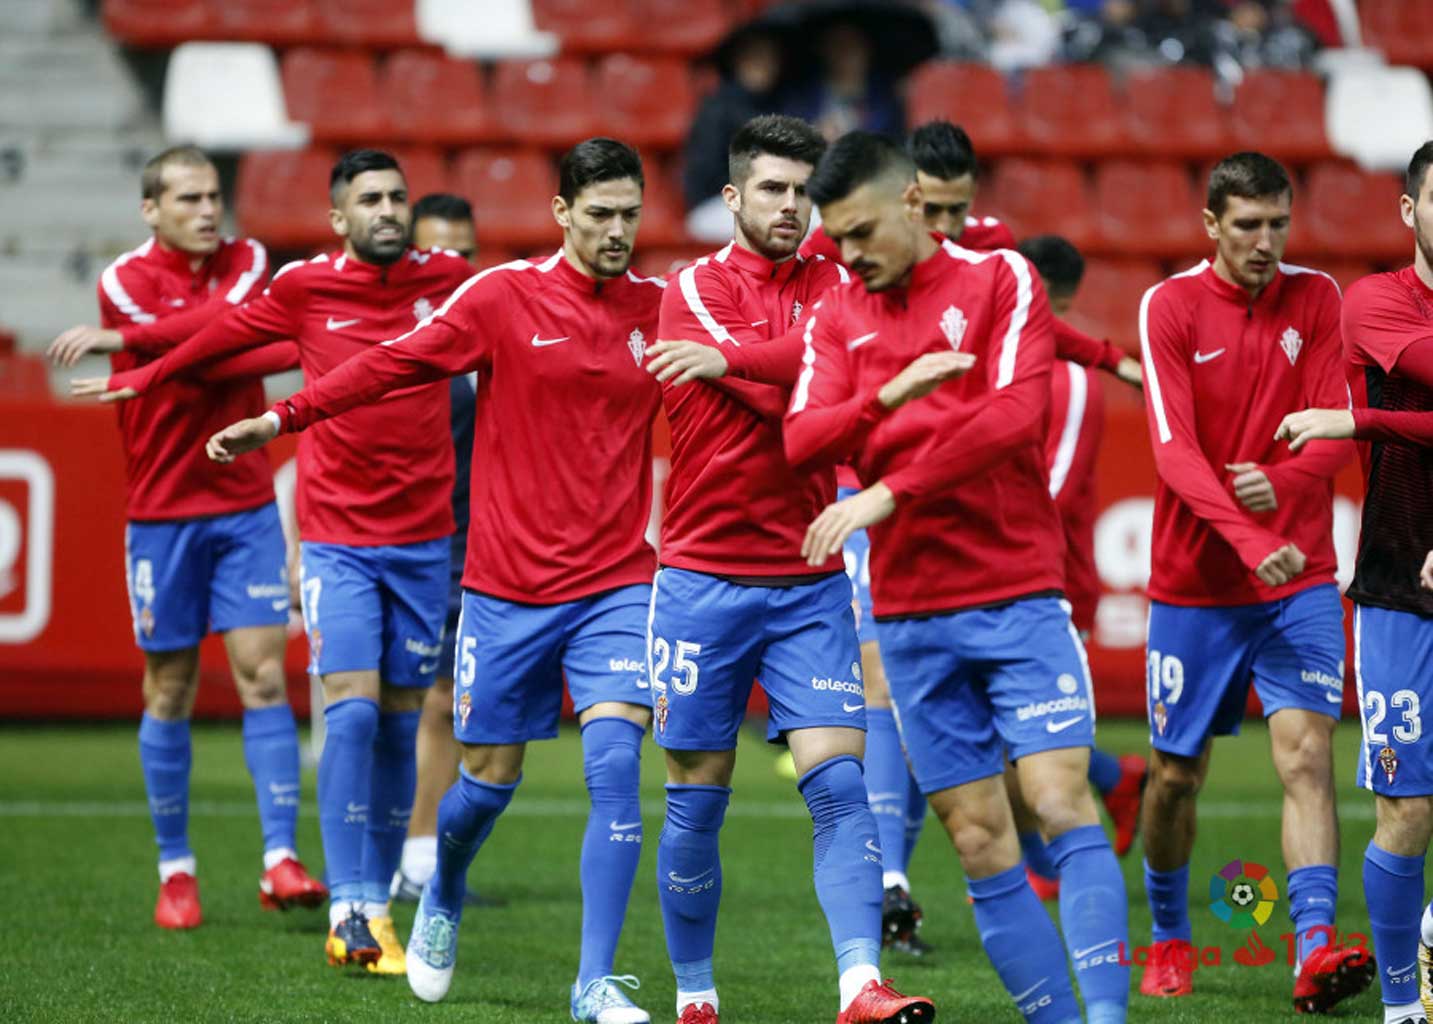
(902,35)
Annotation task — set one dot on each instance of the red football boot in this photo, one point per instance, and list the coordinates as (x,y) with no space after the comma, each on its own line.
(1123,801)
(1045,888)
(288,884)
(178,905)
(698,1013)
(1170,971)
(878,1003)
(1331,974)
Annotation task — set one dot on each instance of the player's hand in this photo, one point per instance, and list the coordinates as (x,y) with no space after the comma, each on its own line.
(88,387)
(238,438)
(1426,576)
(1131,372)
(1252,487)
(67,349)
(1281,566)
(686,361)
(1299,428)
(922,376)
(828,534)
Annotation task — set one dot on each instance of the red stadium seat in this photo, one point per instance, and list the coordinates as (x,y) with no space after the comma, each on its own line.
(970,95)
(1172,112)
(433,98)
(544,102)
(645,101)
(1144,208)
(1039,197)
(424,168)
(1071,110)
(380,24)
(1345,272)
(588,26)
(1107,304)
(281,198)
(681,26)
(158,23)
(1349,213)
(654,261)
(336,92)
(511,191)
(1400,29)
(663,219)
(1281,113)
(277,22)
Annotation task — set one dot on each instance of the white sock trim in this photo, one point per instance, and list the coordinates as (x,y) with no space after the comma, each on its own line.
(178,866)
(706,995)
(1399,1014)
(273,858)
(1425,927)
(853,979)
(420,858)
(894,878)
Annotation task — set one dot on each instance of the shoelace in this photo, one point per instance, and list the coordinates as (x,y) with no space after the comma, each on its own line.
(608,995)
(437,936)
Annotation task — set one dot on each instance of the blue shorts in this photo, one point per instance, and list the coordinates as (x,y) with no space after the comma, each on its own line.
(512,658)
(375,607)
(857,553)
(455,604)
(188,577)
(1199,662)
(968,685)
(1392,655)
(711,638)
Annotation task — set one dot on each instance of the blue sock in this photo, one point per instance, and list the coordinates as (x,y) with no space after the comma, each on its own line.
(344,776)
(1024,947)
(271,750)
(390,797)
(689,880)
(612,844)
(1168,894)
(1313,898)
(466,816)
(1094,915)
(886,776)
(847,862)
(915,817)
(1393,892)
(165,755)
(1037,856)
(1104,770)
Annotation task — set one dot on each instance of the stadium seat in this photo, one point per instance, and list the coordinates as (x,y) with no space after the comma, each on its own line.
(681,26)
(1351,213)
(227,96)
(1400,29)
(544,102)
(656,261)
(1284,112)
(1404,119)
(511,191)
(589,26)
(1345,272)
(1107,304)
(1070,110)
(1037,197)
(433,98)
(1145,208)
(505,31)
(336,93)
(1172,113)
(424,168)
(157,23)
(970,95)
(379,24)
(663,220)
(282,198)
(646,101)
(276,22)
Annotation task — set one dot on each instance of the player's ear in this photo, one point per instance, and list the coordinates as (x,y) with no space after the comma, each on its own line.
(1406,208)
(149,210)
(338,222)
(913,198)
(732,195)
(1211,224)
(561,212)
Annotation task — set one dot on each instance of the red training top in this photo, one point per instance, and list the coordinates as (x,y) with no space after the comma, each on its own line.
(1072,443)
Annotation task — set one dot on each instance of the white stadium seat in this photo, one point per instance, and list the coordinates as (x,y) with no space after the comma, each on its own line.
(228,96)
(1377,115)
(495,29)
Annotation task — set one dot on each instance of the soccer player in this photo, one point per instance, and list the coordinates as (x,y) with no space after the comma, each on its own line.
(375,521)
(1072,443)
(558,577)
(203,549)
(1243,570)
(734,599)
(1388,352)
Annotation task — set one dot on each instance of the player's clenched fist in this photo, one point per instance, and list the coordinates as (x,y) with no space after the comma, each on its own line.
(1281,566)
(923,375)
(1299,428)
(828,534)
(238,438)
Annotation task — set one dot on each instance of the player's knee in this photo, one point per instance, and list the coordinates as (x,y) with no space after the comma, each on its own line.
(1175,778)
(438,703)
(497,765)
(170,685)
(1058,810)
(262,687)
(1305,761)
(398,699)
(1405,824)
(612,758)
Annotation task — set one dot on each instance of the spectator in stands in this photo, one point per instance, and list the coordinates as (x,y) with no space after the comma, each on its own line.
(848,92)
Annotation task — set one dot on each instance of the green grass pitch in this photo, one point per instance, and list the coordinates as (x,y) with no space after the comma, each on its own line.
(79,883)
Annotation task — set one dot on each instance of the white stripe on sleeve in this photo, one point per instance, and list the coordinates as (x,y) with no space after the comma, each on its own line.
(1070,433)
(114,290)
(250,277)
(687,279)
(808,367)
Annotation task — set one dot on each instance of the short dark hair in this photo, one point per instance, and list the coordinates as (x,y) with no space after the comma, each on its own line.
(772,135)
(1247,175)
(853,160)
(356,162)
(151,179)
(596,160)
(1418,169)
(443,206)
(1056,260)
(942,150)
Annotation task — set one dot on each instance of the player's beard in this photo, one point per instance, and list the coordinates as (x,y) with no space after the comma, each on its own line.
(612,263)
(1423,237)
(381,253)
(774,248)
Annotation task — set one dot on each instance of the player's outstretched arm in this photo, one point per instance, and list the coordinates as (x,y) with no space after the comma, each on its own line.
(682,362)
(239,438)
(1080,348)
(99,387)
(79,341)
(828,534)
(1299,428)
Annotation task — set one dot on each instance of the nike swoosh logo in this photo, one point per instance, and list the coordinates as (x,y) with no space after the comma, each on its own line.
(280,605)
(544,342)
(428,666)
(851,708)
(1334,698)
(757,323)
(1062,726)
(624,828)
(856,343)
(338,325)
(1204,357)
(1399,972)
(871,845)
(354,808)
(1032,988)
(1080,954)
(686,881)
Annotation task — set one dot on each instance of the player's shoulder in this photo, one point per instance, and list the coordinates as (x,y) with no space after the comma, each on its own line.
(1386,290)
(987,233)
(993,264)
(1178,289)
(306,271)
(823,272)
(1309,281)
(132,263)
(243,248)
